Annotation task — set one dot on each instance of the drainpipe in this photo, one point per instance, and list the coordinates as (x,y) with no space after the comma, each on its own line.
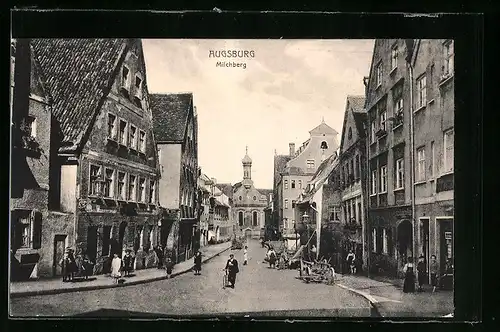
(366,195)
(412,159)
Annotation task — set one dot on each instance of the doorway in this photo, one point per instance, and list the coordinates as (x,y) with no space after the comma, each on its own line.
(59,247)
(445,245)
(92,243)
(424,241)
(405,240)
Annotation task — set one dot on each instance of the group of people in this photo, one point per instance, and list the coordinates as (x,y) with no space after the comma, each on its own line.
(73,266)
(409,271)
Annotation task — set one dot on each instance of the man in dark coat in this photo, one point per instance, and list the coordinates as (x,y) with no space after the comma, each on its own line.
(232,269)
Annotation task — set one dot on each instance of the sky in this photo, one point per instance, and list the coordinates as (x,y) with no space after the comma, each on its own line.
(286,90)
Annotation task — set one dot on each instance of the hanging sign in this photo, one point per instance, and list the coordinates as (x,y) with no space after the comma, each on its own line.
(447,236)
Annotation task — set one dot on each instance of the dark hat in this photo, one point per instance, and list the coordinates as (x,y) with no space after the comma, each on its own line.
(128,250)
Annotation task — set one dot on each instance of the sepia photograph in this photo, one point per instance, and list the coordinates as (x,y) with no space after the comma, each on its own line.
(231,177)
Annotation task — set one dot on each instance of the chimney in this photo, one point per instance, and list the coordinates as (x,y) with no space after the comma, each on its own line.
(292,149)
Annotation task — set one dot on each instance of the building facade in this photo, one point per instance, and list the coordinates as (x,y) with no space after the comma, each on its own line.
(249,203)
(32,152)
(176,134)
(433,131)
(104,179)
(299,169)
(389,157)
(353,176)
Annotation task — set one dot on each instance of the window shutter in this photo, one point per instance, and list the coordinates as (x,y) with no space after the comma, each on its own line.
(36,219)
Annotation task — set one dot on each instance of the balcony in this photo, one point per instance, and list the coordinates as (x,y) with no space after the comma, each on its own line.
(444,182)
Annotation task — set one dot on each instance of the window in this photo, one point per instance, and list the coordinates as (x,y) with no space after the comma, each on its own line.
(400,173)
(421,91)
(133,137)
(420,164)
(286,184)
(374,182)
(372,131)
(240,218)
(138,87)
(349,133)
(121,186)
(293,204)
(142,190)
(131,188)
(360,213)
(310,163)
(23,229)
(431,161)
(152,191)
(95,180)
(293,184)
(397,95)
(255,221)
(109,184)
(123,132)
(383,120)
(378,73)
(142,141)
(240,198)
(286,203)
(125,78)
(449,137)
(111,126)
(448,58)
(335,214)
(354,219)
(394,57)
(324,145)
(374,240)
(255,198)
(383,179)
(300,184)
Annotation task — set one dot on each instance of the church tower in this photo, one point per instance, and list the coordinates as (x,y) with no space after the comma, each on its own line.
(247,170)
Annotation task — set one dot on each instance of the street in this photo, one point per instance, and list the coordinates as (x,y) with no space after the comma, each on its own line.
(259,291)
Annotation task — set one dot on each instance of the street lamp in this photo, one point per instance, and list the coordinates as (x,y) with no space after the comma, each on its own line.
(305,220)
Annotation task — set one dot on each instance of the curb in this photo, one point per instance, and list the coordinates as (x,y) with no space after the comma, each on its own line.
(374,310)
(96,287)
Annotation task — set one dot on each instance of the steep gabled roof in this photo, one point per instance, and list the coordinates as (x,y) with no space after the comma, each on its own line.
(79,73)
(170,116)
(356,103)
(265,192)
(279,165)
(321,175)
(323,128)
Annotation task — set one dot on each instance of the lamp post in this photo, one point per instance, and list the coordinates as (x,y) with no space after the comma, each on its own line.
(305,220)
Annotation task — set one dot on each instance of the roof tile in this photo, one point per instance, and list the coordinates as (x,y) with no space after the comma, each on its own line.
(170,114)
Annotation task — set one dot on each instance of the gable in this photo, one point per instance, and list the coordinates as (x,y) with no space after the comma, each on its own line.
(170,115)
(78,73)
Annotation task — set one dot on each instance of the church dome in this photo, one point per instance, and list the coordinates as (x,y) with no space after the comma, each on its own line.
(246,159)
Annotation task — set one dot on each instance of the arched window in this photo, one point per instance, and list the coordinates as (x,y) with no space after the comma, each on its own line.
(240,218)
(240,198)
(349,134)
(324,145)
(255,198)
(255,221)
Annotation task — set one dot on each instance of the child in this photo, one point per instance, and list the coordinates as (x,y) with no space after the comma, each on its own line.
(116,266)
(434,267)
(169,267)
(245,255)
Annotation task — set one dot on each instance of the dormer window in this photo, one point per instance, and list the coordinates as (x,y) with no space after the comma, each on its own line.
(324,145)
(138,90)
(125,84)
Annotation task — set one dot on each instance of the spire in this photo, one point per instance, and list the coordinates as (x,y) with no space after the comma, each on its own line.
(246,150)
(322,119)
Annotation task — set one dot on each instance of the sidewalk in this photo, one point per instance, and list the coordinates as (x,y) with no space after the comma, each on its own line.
(56,286)
(387,296)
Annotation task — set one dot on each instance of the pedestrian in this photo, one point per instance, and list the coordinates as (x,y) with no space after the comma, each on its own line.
(159,256)
(65,263)
(351,257)
(169,265)
(434,269)
(409,283)
(127,263)
(88,266)
(116,267)
(245,256)
(197,263)
(272,258)
(262,242)
(421,273)
(71,266)
(232,269)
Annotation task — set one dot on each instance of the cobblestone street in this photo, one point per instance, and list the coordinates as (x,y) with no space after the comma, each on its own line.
(259,290)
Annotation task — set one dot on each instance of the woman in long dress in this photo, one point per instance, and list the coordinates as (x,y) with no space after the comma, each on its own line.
(116,265)
(409,283)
